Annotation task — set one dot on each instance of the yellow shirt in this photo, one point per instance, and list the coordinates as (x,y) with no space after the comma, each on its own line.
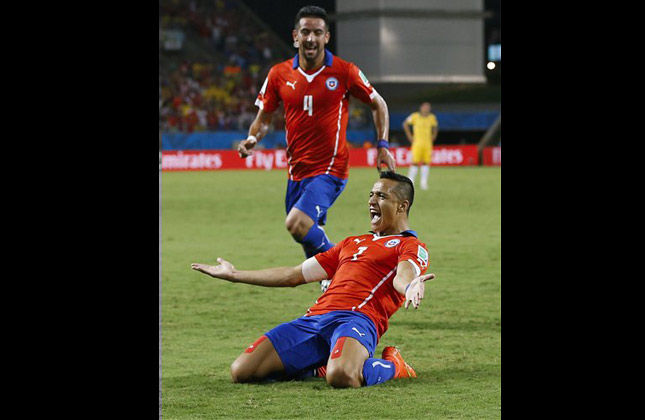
(422,127)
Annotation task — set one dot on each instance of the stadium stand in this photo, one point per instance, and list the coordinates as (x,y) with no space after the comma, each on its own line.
(214,56)
(211,60)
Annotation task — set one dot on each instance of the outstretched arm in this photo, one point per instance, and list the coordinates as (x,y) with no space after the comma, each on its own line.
(307,272)
(270,277)
(381,119)
(258,129)
(409,284)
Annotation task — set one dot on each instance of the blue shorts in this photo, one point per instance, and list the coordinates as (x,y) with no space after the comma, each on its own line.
(305,342)
(313,196)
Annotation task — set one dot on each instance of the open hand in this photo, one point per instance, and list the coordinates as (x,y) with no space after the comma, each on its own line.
(224,270)
(415,292)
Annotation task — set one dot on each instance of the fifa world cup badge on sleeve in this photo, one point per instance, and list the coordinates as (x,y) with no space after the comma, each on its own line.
(422,256)
(367,83)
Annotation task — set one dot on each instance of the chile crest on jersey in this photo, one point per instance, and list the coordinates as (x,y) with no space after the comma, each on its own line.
(331,83)
(392,243)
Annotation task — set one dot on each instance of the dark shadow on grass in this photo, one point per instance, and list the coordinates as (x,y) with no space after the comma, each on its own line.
(207,388)
(208,382)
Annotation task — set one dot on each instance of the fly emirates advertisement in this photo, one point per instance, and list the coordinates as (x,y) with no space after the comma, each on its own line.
(205,160)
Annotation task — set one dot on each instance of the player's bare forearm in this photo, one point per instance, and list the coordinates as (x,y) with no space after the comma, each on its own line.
(258,129)
(381,117)
(382,124)
(260,126)
(269,277)
(409,284)
(405,273)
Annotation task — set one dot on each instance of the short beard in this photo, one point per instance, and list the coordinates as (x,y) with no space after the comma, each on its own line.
(313,59)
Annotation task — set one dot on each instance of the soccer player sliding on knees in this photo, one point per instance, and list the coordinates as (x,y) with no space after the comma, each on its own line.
(372,276)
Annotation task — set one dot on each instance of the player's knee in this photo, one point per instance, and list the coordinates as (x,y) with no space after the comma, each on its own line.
(240,373)
(341,377)
(297,227)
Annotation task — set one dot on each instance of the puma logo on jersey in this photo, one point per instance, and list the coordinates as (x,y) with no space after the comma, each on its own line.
(292,84)
(358,241)
(359,333)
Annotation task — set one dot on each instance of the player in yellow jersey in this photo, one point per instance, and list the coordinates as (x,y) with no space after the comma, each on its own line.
(425,129)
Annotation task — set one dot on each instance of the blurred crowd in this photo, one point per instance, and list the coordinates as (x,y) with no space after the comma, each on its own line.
(214,90)
(211,80)
(204,97)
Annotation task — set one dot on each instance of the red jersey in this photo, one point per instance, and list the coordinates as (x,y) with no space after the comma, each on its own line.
(362,269)
(315,107)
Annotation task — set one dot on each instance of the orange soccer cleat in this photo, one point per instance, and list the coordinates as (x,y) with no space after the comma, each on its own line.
(401,369)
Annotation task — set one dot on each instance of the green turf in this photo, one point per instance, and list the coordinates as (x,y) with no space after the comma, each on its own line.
(453,340)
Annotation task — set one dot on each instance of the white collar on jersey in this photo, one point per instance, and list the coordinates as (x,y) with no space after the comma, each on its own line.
(409,232)
(377,237)
(310,77)
(329,59)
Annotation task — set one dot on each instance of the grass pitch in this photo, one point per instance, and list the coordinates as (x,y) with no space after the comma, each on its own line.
(453,340)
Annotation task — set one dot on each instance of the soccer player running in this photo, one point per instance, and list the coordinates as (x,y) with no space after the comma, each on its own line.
(372,276)
(425,130)
(315,87)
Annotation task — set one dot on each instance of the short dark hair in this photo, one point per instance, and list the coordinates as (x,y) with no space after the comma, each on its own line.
(313,11)
(404,189)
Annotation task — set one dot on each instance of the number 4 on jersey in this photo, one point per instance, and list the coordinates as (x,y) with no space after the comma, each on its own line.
(361,249)
(308,104)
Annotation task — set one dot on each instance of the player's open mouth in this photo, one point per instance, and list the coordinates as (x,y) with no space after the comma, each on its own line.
(310,48)
(376,216)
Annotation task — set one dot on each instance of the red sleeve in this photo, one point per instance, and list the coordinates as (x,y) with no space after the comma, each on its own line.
(269,98)
(358,84)
(330,259)
(417,253)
